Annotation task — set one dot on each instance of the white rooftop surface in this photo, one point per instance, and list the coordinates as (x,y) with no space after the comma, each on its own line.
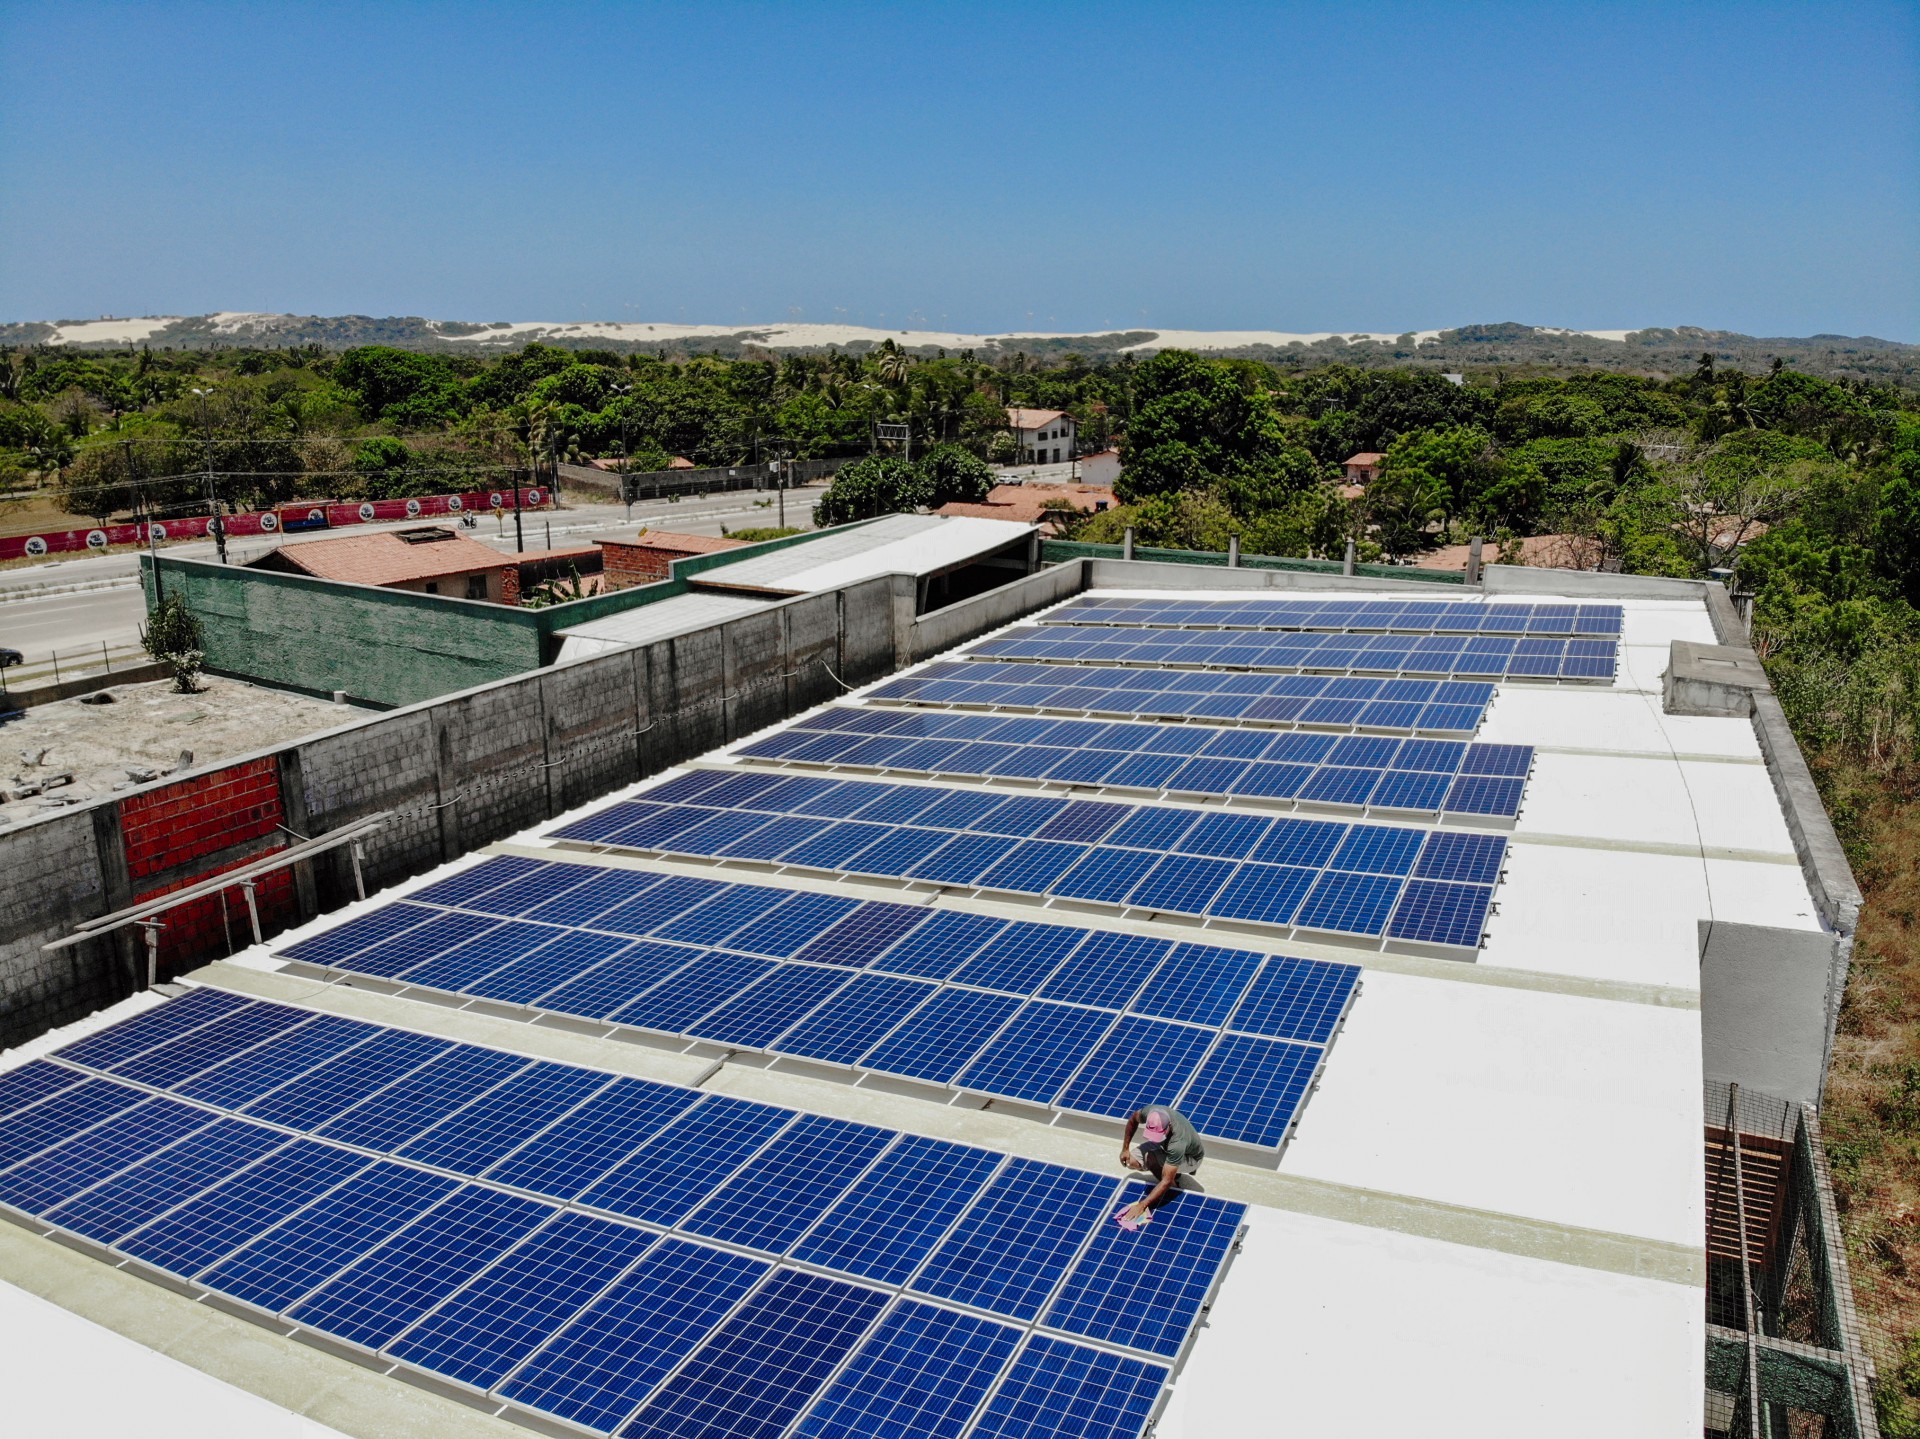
(895,545)
(658,621)
(1550,1091)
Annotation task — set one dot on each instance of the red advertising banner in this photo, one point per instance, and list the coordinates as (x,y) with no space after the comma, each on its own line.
(266,522)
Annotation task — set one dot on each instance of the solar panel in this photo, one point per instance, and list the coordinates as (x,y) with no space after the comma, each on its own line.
(1387,617)
(1012,1247)
(130,1037)
(762,1207)
(765,1363)
(1145,1289)
(1432,706)
(924,1371)
(1249,1089)
(938,1039)
(395,1115)
(719,1133)
(475,1137)
(882,1227)
(328,1089)
(1057,1390)
(1292,999)
(1038,1051)
(62,1171)
(58,1117)
(131,1198)
(1140,1062)
(854,1019)
(618,1349)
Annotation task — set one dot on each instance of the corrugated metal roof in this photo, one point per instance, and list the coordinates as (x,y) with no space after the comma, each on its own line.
(897,544)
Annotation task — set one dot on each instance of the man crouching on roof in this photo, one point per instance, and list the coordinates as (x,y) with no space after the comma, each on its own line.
(1169,1148)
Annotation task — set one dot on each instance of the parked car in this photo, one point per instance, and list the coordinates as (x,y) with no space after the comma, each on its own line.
(11,657)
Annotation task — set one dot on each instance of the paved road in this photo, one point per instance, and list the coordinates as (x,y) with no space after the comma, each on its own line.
(109,611)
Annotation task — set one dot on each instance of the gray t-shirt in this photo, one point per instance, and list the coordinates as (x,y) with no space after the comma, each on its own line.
(1183,1144)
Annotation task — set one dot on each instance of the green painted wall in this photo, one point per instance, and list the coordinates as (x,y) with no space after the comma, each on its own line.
(387,647)
(1055,552)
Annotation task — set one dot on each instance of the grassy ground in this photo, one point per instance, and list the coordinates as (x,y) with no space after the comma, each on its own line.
(1872,1114)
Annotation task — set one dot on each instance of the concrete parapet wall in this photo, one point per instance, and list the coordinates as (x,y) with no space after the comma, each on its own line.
(945,628)
(454,773)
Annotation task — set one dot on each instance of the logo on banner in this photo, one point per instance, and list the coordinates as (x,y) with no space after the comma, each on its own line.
(366,511)
(269,521)
(36,546)
(315,517)
(413,508)
(156,531)
(455,504)
(96,539)
(497,500)
(533,497)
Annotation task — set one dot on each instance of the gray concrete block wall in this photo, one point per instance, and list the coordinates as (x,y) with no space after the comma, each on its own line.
(53,872)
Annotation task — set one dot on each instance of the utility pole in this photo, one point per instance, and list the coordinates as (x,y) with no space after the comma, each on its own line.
(626,451)
(145,503)
(215,523)
(519,540)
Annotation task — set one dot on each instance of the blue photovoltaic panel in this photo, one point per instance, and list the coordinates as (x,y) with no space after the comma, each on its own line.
(473,1139)
(422,942)
(1058,1390)
(1036,1053)
(619,1348)
(154,1026)
(474,960)
(1019,959)
(168,1064)
(59,1116)
(194,1235)
(571,1153)
(390,1287)
(863,934)
(855,1019)
(1140,1062)
(1250,1088)
(490,873)
(136,1194)
(1144,1289)
(1198,983)
(1021,1235)
(765,1363)
(1296,999)
(763,1207)
(397,1114)
(1392,617)
(280,1266)
(713,920)
(1431,912)
(674,1003)
(571,957)
(31,1083)
(582,903)
(322,1092)
(1463,858)
(369,929)
(784,932)
(757,1016)
(664,1179)
(264,1068)
(1349,903)
(924,1372)
(1426,705)
(37,1184)
(487,1328)
(938,1039)
(882,1227)
(940,946)
(609,985)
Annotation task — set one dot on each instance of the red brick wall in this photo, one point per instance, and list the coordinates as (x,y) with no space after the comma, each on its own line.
(629,565)
(180,833)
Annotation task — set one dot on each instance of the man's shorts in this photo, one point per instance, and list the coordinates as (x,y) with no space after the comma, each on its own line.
(1154,1157)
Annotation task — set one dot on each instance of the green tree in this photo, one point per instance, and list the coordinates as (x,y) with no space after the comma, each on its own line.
(172,636)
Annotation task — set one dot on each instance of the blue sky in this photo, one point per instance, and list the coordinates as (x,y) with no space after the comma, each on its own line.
(969,166)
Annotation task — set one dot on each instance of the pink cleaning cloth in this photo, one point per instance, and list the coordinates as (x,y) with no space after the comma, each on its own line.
(1127,1221)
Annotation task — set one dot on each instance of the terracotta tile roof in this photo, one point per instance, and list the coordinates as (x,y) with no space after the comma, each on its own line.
(681,544)
(386,559)
(1028,503)
(1032,419)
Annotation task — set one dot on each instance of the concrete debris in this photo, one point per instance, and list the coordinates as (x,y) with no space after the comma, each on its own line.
(102,697)
(35,756)
(141,775)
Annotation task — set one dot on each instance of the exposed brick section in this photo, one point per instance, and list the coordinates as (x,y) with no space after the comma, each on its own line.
(183,822)
(218,925)
(649,559)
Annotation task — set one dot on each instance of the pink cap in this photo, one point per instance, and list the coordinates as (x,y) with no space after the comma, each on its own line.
(1157,1127)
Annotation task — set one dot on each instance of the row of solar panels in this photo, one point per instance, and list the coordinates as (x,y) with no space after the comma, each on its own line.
(1442,655)
(1046,1014)
(629,1257)
(1414,617)
(1423,706)
(1427,777)
(1323,877)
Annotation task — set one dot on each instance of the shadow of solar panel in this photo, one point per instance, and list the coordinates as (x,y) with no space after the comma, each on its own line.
(1041,1048)
(618,1349)
(277,1268)
(882,1227)
(476,1136)
(1250,1088)
(1140,1062)
(54,1175)
(391,1286)
(501,1316)
(854,1019)
(1144,1289)
(1296,999)
(155,1026)
(665,1178)
(938,1039)
(1011,1248)
(923,1372)
(763,1365)
(568,1155)
(132,1197)
(761,1013)
(1433,912)
(762,1206)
